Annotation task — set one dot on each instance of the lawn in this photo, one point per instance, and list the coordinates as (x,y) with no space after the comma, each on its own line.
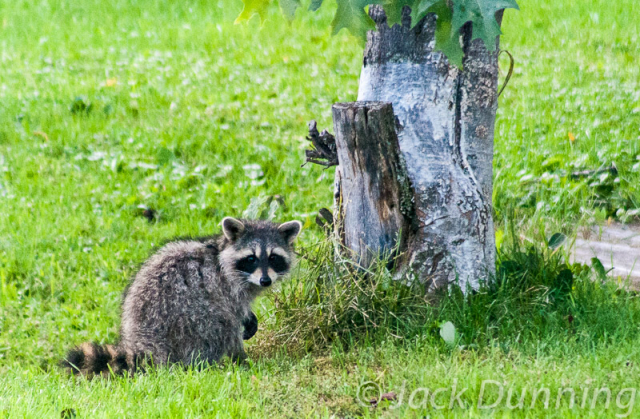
(114,113)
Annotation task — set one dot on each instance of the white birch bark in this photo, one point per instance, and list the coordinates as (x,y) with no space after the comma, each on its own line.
(446,122)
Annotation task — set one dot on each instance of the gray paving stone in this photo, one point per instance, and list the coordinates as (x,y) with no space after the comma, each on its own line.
(616,245)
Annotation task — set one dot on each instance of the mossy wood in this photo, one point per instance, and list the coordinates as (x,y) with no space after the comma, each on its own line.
(372,196)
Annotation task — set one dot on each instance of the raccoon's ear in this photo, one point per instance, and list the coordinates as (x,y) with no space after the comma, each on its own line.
(290,230)
(232,228)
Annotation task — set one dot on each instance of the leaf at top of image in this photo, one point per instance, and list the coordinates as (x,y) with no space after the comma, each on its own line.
(481,14)
(422,8)
(447,36)
(289,8)
(253,7)
(393,9)
(315,5)
(351,15)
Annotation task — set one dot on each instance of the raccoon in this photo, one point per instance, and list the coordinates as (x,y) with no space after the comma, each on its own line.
(190,302)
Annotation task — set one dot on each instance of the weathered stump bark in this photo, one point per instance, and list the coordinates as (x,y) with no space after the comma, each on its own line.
(373,195)
(446,122)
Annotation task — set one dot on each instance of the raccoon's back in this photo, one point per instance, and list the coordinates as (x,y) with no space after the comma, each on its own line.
(179,306)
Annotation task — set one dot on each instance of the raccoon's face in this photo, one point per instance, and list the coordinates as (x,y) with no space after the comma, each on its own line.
(260,252)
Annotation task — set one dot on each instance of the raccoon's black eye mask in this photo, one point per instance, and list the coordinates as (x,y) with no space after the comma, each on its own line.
(250,263)
(278,263)
(247,264)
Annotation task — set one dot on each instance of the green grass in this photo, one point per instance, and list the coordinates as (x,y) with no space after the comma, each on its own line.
(172,103)
(535,299)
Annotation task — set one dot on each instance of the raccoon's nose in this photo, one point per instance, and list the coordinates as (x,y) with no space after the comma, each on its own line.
(265,281)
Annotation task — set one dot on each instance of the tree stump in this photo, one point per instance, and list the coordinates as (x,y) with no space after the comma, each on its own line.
(415,155)
(446,121)
(373,195)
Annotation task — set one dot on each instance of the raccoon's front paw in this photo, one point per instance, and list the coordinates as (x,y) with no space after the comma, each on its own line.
(250,324)
(239,358)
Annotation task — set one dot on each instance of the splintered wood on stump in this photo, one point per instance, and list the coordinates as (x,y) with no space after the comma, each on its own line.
(373,196)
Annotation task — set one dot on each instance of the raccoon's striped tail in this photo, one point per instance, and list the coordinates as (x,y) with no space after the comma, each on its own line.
(91,359)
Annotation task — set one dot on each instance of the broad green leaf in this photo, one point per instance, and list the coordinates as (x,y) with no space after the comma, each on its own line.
(451,16)
(448,333)
(599,268)
(447,39)
(352,16)
(393,10)
(315,5)
(289,8)
(255,207)
(421,9)
(253,7)
(481,14)
(557,240)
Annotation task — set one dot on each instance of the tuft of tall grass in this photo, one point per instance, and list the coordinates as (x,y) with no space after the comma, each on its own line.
(535,300)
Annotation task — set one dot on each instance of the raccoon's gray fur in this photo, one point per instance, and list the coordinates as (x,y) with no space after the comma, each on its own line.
(191,300)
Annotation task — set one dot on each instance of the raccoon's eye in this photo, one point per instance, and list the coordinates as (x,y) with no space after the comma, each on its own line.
(278,263)
(247,264)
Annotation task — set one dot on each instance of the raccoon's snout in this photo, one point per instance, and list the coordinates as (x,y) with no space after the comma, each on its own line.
(265,281)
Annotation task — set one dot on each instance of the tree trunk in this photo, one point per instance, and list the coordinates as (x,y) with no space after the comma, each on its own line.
(445,120)
(373,197)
